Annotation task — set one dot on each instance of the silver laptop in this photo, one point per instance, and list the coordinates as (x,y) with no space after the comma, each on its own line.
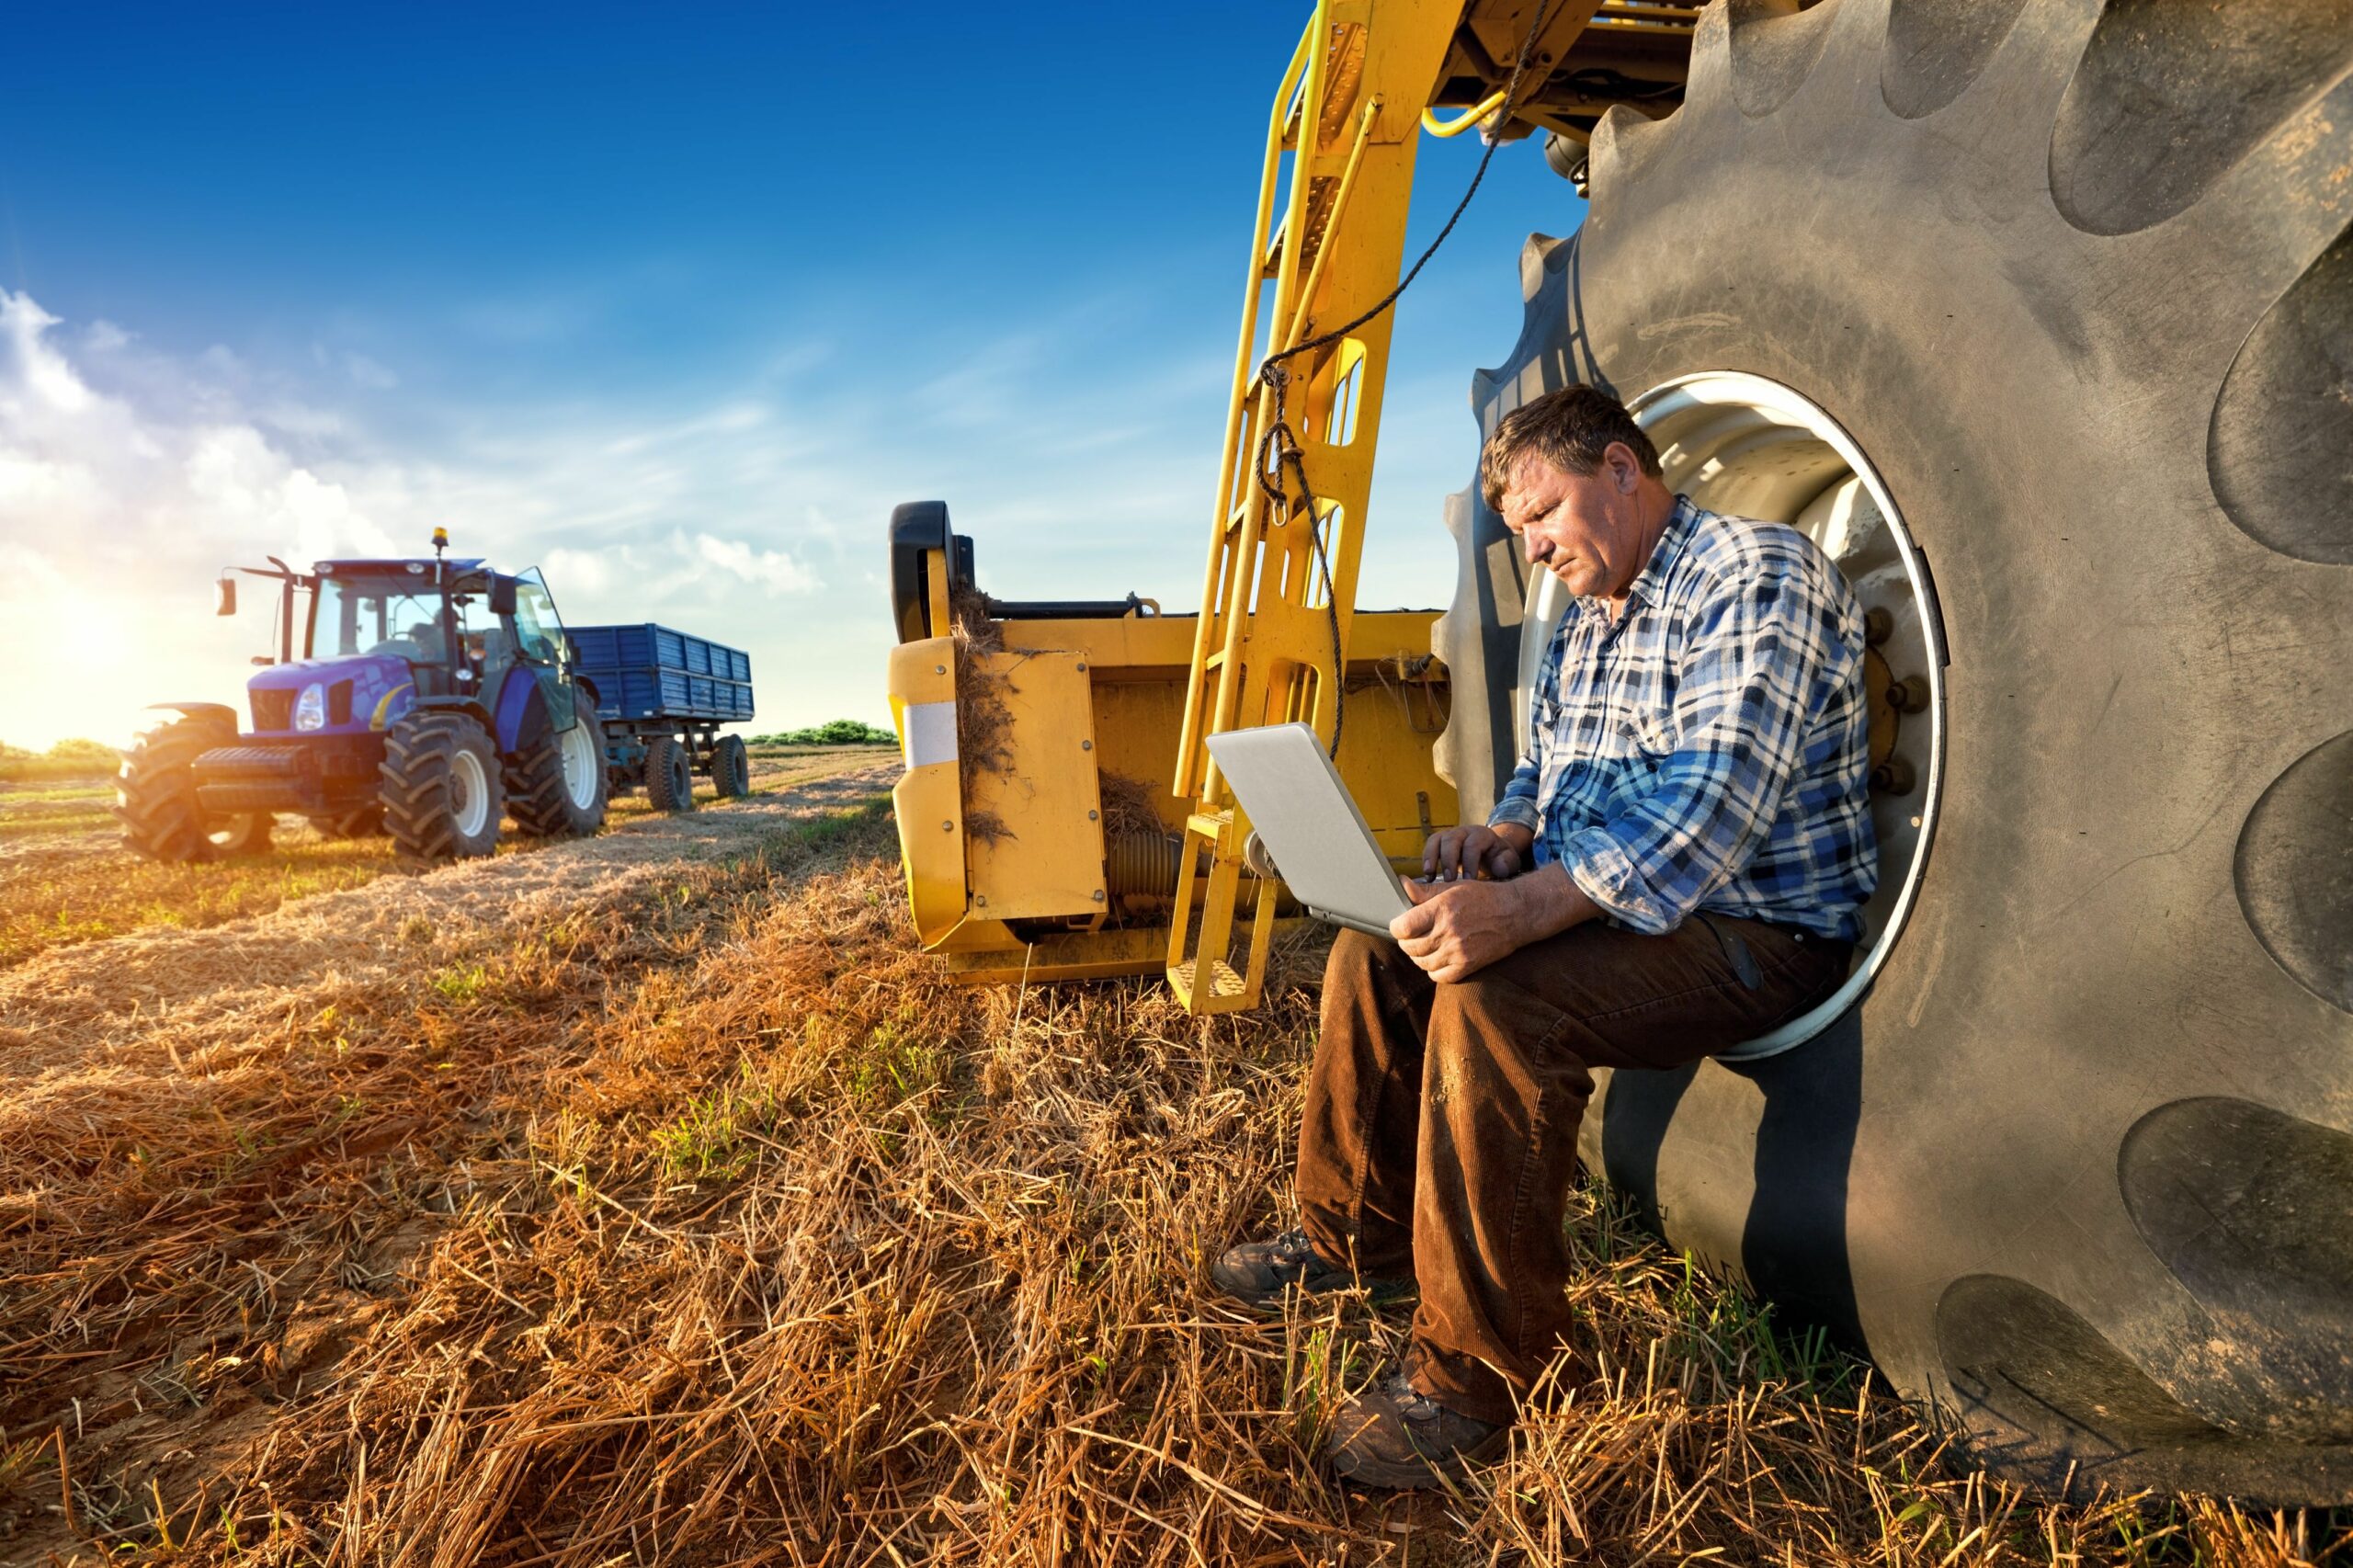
(1311,825)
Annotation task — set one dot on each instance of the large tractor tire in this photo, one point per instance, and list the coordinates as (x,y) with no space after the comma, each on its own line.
(443,793)
(730,767)
(556,787)
(669,774)
(156,796)
(2058,300)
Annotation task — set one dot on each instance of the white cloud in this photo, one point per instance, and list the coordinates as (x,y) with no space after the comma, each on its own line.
(367,372)
(770,568)
(135,474)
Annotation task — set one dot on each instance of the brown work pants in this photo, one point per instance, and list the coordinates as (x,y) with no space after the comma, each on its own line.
(1440,1137)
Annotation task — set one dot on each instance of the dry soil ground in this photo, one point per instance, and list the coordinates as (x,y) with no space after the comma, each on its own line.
(650,1200)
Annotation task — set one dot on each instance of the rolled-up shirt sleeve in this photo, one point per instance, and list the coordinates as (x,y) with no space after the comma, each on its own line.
(1756,657)
(1518,806)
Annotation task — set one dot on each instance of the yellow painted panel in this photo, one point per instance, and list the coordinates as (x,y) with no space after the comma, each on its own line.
(1045,858)
(927,799)
(1134,645)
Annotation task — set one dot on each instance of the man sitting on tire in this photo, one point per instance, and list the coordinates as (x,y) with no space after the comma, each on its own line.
(1675,867)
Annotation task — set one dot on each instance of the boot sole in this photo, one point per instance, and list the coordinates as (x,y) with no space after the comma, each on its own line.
(1420,1475)
(1379,1293)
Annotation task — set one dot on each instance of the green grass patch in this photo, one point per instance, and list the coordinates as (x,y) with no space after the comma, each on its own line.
(95,790)
(30,825)
(52,900)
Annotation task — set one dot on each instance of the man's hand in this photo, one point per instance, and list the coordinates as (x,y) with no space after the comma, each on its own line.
(1464,852)
(1456,929)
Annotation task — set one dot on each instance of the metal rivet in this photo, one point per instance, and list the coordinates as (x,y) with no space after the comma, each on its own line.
(980,901)
(947,827)
(1086,745)
(940,669)
(1099,895)
(1081,667)
(1090,816)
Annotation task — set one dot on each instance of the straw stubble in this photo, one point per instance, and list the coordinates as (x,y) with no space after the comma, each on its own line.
(694,1217)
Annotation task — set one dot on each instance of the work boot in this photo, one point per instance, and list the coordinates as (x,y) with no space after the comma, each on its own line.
(1256,1274)
(1394,1436)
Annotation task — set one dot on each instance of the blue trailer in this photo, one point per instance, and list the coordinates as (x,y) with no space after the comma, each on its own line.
(661,696)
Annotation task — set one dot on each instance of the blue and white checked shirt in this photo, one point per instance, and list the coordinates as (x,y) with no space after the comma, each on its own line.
(1709,748)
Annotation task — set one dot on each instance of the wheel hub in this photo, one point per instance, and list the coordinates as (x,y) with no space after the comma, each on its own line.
(581,765)
(469,794)
(1748,447)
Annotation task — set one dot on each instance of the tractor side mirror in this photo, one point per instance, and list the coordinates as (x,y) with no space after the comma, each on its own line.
(501,595)
(224,597)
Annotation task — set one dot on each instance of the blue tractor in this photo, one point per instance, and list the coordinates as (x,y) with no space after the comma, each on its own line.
(429,699)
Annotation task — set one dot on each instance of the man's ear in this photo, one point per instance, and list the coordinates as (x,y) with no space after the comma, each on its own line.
(1625,468)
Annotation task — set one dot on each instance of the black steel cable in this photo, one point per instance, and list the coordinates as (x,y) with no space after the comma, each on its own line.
(1279,437)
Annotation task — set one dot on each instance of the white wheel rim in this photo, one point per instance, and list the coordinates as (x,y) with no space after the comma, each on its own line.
(1750,446)
(581,764)
(469,794)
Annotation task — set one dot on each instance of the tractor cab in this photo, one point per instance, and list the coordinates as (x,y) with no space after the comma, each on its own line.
(379,638)
(417,697)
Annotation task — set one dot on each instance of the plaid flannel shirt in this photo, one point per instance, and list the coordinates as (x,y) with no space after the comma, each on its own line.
(1708,750)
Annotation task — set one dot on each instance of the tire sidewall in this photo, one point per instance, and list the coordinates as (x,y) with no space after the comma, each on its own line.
(472,739)
(582,821)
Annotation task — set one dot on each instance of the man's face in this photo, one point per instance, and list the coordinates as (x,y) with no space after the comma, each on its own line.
(1584,529)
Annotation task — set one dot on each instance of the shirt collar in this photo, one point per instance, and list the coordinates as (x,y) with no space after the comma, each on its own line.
(1649,584)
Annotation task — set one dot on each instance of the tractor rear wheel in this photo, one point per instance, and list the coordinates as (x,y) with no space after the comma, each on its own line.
(442,794)
(730,767)
(156,796)
(2053,298)
(669,774)
(555,789)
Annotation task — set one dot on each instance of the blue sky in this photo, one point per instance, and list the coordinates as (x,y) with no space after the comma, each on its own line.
(677,305)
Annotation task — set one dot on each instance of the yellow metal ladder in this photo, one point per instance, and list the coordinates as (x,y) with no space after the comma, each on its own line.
(1278,595)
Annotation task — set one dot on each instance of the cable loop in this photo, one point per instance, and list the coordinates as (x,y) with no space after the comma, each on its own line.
(1280,442)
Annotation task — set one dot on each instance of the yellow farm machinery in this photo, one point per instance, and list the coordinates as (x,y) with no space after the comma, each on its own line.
(2037,315)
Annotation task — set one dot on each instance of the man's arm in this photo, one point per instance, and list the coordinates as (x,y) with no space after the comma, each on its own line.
(1455,929)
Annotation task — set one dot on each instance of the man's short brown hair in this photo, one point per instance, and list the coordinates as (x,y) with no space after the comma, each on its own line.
(1570,428)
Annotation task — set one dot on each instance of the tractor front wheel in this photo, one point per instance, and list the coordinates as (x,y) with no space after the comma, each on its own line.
(556,786)
(669,774)
(155,797)
(442,791)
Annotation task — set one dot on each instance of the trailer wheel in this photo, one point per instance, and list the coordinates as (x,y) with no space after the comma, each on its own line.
(669,774)
(730,767)
(442,792)
(155,797)
(2046,297)
(556,787)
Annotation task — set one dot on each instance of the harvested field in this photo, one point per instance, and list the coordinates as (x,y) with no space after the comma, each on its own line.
(65,878)
(650,1200)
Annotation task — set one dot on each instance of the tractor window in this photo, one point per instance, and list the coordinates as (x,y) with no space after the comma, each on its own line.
(398,616)
(536,626)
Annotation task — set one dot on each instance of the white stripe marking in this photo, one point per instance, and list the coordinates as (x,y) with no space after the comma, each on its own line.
(931,734)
